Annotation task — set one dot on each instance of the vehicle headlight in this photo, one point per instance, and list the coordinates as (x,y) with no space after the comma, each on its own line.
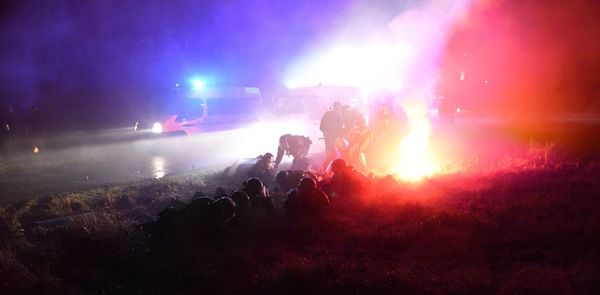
(157,127)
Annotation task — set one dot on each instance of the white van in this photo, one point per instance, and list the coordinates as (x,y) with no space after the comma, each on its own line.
(211,109)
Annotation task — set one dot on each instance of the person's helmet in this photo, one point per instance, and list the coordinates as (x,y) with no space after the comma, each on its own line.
(202,200)
(268,156)
(307,183)
(281,177)
(337,106)
(339,165)
(253,186)
(242,201)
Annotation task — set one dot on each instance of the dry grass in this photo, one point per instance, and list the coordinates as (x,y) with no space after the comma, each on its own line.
(526,223)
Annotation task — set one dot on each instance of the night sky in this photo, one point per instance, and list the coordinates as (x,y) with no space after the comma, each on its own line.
(78,55)
(62,46)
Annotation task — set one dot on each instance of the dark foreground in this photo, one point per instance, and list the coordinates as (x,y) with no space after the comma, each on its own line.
(528,224)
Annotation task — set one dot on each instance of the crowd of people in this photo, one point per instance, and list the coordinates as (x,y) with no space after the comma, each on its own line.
(303,193)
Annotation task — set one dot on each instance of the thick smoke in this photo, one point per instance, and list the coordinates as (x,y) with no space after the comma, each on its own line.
(526,59)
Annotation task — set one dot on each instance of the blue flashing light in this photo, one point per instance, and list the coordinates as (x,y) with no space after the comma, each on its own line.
(197,84)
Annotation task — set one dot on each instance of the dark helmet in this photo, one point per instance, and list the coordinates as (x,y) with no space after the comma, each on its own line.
(242,201)
(267,156)
(307,183)
(203,201)
(337,106)
(199,207)
(339,165)
(281,177)
(253,186)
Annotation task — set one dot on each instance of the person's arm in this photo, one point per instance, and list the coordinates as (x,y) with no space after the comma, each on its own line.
(280,152)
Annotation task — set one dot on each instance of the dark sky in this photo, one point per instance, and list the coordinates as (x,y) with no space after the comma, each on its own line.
(71,52)
(54,48)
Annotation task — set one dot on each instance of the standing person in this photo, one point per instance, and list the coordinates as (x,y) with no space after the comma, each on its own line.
(357,135)
(296,146)
(332,126)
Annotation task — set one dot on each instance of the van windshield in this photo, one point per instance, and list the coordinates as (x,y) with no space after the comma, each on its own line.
(232,106)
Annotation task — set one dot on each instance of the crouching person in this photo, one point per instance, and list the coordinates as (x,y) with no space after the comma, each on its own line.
(221,213)
(258,194)
(306,201)
(346,186)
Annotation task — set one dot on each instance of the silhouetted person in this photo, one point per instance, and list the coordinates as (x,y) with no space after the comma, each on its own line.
(359,138)
(242,203)
(221,212)
(306,201)
(296,146)
(264,168)
(288,179)
(258,194)
(346,185)
(332,126)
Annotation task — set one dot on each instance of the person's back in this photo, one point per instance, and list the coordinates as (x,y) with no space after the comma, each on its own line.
(346,184)
(258,194)
(296,146)
(289,179)
(332,124)
(306,200)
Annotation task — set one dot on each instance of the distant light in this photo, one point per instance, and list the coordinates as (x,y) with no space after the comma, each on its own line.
(157,128)
(176,84)
(458,109)
(36,150)
(197,84)
(159,167)
(486,81)
(462,75)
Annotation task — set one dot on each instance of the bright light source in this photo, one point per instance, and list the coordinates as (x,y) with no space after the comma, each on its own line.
(36,150)
(157,127)
(373,65)
(416,161)
(197,84)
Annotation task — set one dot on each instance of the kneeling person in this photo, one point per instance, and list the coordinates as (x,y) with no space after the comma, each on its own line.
(306,200)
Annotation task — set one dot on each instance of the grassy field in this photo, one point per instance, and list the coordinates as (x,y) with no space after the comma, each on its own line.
(525,222)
